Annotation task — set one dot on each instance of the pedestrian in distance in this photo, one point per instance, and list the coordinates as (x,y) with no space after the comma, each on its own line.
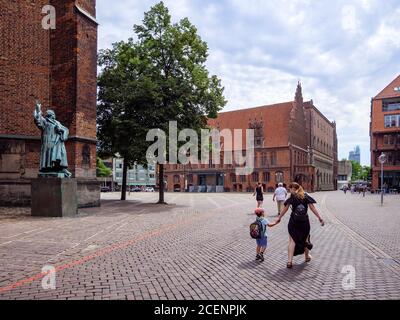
(280,195)
(259,193)
(299,223)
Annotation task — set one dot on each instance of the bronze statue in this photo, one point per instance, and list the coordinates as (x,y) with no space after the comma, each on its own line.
(53,155)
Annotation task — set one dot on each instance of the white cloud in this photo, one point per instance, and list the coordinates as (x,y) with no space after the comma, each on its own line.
(344,52)
(350,22)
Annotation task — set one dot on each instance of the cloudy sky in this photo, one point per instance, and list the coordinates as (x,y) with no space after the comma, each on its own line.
(343,52)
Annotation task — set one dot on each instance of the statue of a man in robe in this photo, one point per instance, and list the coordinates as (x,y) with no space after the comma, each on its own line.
(53,155)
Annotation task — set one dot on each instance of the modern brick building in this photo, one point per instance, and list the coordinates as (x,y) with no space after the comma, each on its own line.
(57,67)
(385,135)
(294,141)
(137,176)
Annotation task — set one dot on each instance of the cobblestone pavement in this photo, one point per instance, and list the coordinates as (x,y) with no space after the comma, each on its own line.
(198,247)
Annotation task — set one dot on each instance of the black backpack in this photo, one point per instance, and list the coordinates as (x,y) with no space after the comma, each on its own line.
(300,213)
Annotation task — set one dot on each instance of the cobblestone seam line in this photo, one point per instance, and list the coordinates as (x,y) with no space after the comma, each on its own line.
(376,252)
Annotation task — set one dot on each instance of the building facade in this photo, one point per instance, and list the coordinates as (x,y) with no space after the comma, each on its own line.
(385,136)
(355,155)
(294,141)
(137,176)
(345,171)
(58,67)
(323,151)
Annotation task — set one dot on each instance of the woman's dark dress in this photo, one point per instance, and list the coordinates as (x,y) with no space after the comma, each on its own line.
(259,196)
(299,230)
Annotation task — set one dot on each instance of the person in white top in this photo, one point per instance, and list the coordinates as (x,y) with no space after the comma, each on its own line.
(280,196)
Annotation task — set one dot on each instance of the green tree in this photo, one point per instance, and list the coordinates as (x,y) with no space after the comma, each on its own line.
(125,103)
(176,56)
(101,170)
(357,170)
(360,172)
(365,173)
(145,84)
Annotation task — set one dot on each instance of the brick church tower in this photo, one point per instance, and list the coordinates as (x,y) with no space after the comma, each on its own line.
(58,67)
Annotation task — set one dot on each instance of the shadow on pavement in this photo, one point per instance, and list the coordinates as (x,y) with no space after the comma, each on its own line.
(113,207)
(250,264)
(297,273)
(283,274)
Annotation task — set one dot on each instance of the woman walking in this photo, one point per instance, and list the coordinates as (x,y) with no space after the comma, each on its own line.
(259,192)
(299,223)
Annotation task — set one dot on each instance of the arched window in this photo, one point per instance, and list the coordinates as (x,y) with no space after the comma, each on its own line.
(279,176)
(264,159)
(255,177)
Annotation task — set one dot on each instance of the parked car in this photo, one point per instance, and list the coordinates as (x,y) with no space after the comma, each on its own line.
(136,189)
(149,189)
(105,189)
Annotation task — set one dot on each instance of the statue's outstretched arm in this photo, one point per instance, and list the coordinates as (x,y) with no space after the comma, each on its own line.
(37,114)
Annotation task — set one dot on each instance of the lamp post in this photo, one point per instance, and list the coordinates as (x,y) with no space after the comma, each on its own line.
(382,160)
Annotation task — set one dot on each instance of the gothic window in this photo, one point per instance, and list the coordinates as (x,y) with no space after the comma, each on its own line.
(258,127)
(279,176)
(385,139)
(273,158)
(86,155)
(255,176)
(264,160)
(266,176)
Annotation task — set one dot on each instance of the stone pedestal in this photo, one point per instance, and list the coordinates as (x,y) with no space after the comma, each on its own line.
(54,197)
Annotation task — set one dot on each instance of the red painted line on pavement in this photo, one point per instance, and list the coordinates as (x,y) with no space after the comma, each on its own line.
(94,255)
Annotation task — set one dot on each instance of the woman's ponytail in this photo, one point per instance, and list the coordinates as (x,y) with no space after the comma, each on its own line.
(299,191)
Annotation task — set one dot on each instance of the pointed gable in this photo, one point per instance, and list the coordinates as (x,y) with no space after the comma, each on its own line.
(297,122)
(391,91)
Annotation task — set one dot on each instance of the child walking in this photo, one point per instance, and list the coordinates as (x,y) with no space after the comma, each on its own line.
(262,241)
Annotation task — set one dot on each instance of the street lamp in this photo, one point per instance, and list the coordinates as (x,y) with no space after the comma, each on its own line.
(382,160)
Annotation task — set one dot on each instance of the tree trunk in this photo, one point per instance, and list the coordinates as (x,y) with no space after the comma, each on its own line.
(161,184)
(124,178)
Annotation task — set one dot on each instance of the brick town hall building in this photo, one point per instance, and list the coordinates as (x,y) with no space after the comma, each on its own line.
(58,67)
(294,141)
(385,136)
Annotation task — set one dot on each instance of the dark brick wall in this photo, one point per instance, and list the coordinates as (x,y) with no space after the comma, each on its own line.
(57,67)
(88,5)
(86,86)
(24,65)
(63,63)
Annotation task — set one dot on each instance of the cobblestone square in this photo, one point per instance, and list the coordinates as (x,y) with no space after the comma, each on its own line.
(198,247)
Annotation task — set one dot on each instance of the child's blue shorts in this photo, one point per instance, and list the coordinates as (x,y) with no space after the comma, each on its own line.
(262,242)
